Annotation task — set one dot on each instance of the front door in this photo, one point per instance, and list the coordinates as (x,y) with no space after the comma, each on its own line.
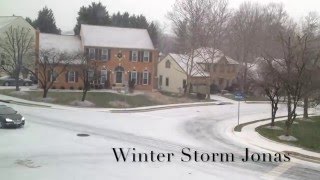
(118,77)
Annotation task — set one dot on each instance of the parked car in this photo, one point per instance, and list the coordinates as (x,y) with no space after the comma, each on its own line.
(9,81)
(10,118)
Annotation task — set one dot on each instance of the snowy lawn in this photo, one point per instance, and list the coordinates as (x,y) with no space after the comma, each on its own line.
(307,133)
(102,99)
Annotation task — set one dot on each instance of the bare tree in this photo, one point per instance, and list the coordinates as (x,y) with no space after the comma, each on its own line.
(88,72)
(188,18)
(215,34)
(293,69)
(50,66)
(17,49)
(266,79)
(311,28)
(244,28)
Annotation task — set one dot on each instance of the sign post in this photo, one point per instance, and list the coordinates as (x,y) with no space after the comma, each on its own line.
(239,97)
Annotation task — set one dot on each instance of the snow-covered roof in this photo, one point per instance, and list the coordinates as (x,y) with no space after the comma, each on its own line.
(62,43)
(6,20)
(105,36)
(203,55)
(182,61)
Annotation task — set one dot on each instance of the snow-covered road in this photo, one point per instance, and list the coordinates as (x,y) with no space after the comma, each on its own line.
(48,148)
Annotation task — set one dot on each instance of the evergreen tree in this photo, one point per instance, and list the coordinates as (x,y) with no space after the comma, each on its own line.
(153,30)
(133,21)
(95,14)
(46,21)
(29,20)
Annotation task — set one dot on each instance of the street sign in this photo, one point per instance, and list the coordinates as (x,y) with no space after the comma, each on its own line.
(239,97)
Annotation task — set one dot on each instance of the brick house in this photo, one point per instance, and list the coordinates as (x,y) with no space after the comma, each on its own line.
(121,55)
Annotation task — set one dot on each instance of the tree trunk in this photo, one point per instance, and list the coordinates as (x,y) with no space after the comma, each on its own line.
(208,90)
(272,113)
(17,82)
(45,92)
(305,107)
(84,94)
(287,133)
(289,119)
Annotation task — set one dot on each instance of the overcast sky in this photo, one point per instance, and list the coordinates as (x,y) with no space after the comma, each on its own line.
(65,11)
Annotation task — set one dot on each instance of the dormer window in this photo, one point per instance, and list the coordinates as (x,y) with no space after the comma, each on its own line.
(104,55)
(146,56)
(135,56)
(168,64)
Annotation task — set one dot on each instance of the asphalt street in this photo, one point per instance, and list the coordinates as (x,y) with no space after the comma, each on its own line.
(48,146)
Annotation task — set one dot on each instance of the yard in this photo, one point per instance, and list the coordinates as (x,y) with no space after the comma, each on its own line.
(307,133)
(102,99)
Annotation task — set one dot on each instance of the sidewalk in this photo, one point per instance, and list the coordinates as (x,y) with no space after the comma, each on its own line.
(19,101)
(250,137)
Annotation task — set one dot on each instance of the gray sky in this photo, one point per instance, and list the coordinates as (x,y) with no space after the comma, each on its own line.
(65,11)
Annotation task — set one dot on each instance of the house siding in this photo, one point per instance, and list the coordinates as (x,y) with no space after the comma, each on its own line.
(175,74)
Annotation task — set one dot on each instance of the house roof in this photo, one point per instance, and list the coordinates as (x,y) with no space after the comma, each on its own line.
(182,61)
(105,36)
(6,20)
(203,55)
(62,43)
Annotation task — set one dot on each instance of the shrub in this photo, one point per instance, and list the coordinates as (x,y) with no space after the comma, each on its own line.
(53,87)
(62,87)
(71,87)
(80,88)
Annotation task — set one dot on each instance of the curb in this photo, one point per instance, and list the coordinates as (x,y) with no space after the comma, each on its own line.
(23,103)
(165,107)
(292,153)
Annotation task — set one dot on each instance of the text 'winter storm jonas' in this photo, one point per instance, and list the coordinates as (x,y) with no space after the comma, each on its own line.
(132,155)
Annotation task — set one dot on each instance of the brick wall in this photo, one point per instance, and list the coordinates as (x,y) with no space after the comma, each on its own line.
(110,64)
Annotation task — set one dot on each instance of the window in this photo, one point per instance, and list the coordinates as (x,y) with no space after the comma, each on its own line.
(104,55)
(168,64)
(167,81)
(104,76)
(160,80)
(134,76)
(91,53)
(53,76)
(135,56)
(145,77)
(71,76)
(146,55)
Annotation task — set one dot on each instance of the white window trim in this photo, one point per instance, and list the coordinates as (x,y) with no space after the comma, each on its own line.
(143,77)
(136,76)
(106,54)
(106,75)
(137,54)
(69,75)
(144,55)
(94,53)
